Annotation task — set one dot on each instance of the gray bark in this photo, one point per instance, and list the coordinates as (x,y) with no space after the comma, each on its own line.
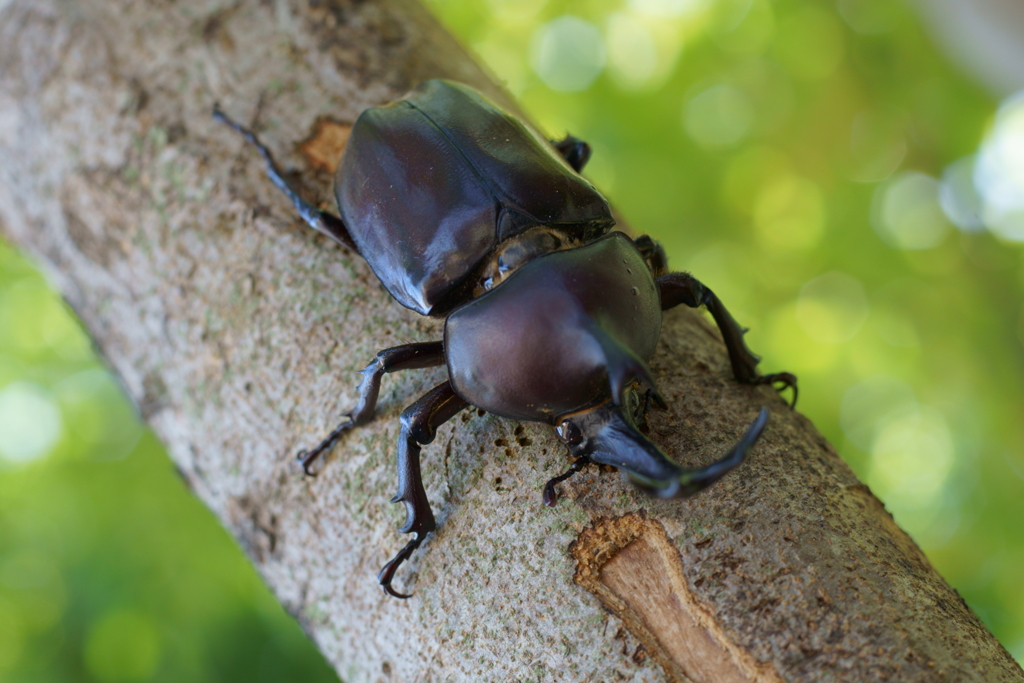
(237,331)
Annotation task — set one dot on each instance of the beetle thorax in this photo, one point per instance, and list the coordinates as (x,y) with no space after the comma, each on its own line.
(539,345)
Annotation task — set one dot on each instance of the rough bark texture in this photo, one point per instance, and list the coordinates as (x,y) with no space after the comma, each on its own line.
(237,331)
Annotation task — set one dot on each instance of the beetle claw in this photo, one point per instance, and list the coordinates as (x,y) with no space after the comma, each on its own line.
(550,494)
(785,380)
(310,458)
(307,458)
(388,572)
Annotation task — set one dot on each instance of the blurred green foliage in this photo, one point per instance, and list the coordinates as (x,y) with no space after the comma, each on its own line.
(819,164)
(851,196)
(110,570)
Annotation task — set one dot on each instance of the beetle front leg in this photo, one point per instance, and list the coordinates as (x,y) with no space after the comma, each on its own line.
(321,221)
(419,427)
(683,288)
(550,496)
(405,357)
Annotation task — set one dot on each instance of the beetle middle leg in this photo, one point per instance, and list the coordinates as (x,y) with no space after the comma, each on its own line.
(419,427)
(653,253)
(321,221)
(405,357)
(683,288)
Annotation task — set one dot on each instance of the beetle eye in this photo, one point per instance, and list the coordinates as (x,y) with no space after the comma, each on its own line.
(570,433)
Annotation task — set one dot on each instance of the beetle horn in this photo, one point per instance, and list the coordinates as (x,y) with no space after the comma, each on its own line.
(610,438)
(624,368)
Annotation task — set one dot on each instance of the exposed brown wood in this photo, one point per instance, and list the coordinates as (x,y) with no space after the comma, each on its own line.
(631,565)
(238,333)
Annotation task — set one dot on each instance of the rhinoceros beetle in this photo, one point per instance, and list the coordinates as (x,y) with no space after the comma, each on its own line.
(465,212)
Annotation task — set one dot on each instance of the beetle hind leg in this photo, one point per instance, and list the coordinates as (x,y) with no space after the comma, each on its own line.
(405,357)
(683,288)
(419,427)
(576,152)
(321,221)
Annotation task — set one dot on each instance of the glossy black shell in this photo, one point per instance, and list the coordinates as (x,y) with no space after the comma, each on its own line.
(430,184)
(536,346)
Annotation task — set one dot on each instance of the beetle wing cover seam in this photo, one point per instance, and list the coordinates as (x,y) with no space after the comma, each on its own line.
(522,171)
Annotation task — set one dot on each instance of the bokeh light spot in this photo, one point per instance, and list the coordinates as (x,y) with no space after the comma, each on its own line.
(871,404)
(122,646)
(832,307)
(999,174)
(568,53)
(911,458)
(30,422)
(783,337)
(906,212)
(959,197)
(747,173)
(716,266)
(632,56)
(719,117)
(789,213)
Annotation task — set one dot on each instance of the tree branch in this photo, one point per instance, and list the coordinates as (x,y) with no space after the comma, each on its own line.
(238,331)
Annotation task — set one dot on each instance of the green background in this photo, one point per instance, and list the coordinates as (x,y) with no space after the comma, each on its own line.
(846,191)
